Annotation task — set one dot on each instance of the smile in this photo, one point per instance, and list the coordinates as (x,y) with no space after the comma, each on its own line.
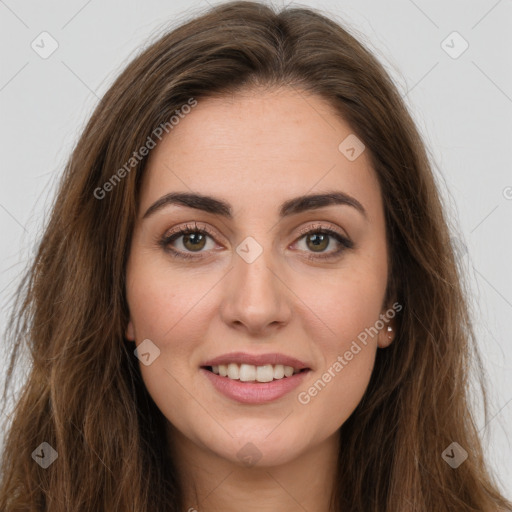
(252,373)
(253,391)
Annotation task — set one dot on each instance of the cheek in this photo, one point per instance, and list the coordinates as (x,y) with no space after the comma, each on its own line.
(339,309)
(162,301)
(341,317)
(164,308)
(347,351)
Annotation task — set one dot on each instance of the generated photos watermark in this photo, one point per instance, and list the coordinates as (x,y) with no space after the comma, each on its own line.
(305,397)
(137,156)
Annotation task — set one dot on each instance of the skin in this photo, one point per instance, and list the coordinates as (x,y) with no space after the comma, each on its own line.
(255,150)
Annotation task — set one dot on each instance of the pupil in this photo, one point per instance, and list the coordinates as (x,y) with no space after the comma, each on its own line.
(191,238)
(318,239)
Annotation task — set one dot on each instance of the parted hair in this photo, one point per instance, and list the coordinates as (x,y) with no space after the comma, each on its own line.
(83,393)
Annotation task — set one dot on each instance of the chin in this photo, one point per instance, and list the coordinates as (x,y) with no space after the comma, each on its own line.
(258,445)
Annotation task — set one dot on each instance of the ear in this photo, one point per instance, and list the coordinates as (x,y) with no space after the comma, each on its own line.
(389,318)
(130,332)
(387,334)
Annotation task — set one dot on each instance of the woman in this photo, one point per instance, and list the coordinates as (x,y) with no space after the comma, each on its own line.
(246,297)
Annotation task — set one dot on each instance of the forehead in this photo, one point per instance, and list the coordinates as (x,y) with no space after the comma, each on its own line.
(258,147)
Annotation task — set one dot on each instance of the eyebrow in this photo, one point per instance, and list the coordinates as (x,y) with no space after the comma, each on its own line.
(290,207)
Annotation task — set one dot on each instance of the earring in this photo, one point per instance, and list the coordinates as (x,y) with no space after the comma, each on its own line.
(390,330)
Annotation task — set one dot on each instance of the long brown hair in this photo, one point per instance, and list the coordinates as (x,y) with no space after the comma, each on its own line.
(84,395)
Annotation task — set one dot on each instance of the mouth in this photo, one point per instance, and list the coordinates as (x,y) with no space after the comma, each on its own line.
(254,385)
(253,374)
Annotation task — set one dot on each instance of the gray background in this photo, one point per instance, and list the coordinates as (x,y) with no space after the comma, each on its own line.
(463,107)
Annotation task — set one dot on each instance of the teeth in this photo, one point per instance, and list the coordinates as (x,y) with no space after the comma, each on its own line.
(278,371)
(251,373)
(288,371)
(234,371)
(247,372)
(264,373)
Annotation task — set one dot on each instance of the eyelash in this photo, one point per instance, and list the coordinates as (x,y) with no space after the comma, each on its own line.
(166,240)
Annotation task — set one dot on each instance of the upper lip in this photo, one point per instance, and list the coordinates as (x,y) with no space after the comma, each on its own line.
(257,360)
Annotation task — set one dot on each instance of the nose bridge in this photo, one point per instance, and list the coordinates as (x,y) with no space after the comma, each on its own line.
(255,297)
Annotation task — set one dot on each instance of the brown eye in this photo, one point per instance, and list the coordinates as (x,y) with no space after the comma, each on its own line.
(188,242)
(194,241)
(317,242)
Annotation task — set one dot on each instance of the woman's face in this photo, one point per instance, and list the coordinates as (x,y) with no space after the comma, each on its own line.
(255,292)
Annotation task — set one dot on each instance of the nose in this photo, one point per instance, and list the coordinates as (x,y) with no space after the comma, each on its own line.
(256,299)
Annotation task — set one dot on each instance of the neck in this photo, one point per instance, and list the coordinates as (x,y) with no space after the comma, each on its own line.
(211,483)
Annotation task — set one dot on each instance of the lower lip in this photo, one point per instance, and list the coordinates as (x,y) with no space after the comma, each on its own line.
(254,392)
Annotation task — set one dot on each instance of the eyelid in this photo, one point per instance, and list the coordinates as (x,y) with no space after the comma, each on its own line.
(330,230)
(327,226)
(170,235)
(193,227)
(187,227)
